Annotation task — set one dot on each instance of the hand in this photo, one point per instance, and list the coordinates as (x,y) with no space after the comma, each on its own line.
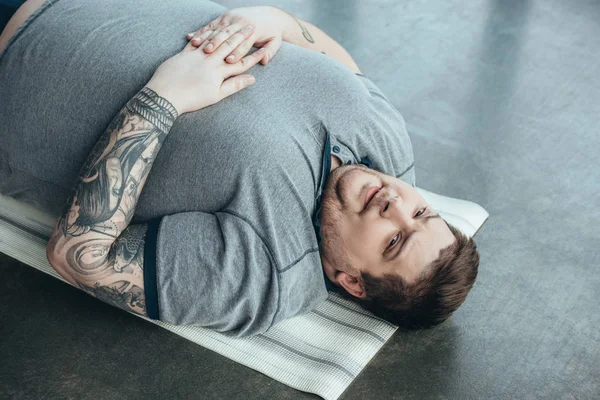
(192,79)
(269,23)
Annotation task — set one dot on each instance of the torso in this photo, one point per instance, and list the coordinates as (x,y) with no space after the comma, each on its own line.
(258,153)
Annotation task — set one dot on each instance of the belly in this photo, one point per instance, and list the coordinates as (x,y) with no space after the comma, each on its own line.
(75,66)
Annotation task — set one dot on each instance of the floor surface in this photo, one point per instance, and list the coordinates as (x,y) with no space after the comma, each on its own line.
(502,101)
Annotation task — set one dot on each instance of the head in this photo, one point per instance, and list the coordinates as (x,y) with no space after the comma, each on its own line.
(385,247)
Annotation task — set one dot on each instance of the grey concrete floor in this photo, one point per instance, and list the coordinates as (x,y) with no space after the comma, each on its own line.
(502,101)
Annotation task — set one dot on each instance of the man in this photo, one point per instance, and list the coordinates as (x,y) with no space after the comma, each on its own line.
(225,232)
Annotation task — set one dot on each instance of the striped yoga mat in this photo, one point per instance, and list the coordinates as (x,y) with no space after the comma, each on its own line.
(319,352)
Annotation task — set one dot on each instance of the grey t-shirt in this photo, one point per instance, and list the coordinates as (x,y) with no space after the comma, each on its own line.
(235,185)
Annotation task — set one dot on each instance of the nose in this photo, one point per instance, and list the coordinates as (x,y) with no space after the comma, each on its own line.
(396,210)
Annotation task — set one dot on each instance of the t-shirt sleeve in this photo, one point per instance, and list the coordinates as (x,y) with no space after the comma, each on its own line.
(383,106)
(211,270)
(373,89)
(376,129)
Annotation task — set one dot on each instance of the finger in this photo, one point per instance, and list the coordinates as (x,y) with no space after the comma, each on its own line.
(225,34)
(198,40)
(223,23)
(212,25)
(245,63)
(240,51)
(232,42)
(235,84)
(271,49)
(222,20)
(212,35)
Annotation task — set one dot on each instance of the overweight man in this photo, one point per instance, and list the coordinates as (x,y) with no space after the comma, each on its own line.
(196,186)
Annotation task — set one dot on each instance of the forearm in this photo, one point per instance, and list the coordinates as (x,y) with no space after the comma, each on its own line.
(93,245)
(113,176)
(307,35)
(107,190)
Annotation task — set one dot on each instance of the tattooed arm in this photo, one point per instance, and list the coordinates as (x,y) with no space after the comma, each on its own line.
(93,246)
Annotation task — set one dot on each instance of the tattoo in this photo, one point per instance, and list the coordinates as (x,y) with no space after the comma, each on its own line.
(305,31)
(99,252)
(111,178)
(123,285)
(127,248)
(126,300)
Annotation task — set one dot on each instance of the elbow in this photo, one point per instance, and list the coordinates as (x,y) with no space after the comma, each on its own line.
(56,260)
(51,254)
(51,257)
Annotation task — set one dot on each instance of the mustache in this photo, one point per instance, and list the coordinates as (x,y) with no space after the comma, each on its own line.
(338,182)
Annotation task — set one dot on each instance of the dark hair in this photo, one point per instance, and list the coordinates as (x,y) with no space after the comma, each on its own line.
(93,198)
(436,294)
(93,194)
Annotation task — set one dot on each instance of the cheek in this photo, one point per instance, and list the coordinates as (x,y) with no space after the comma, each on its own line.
(360,240)
(408,193)
(346,236)
(118,177)
(367,243)
(112,175)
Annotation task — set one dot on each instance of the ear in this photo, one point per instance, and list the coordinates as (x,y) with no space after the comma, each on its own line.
(352,284)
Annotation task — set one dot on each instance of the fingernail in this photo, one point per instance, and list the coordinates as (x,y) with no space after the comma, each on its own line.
(209,47)
(190,34)
(230,58)
(250,80)
(248,28)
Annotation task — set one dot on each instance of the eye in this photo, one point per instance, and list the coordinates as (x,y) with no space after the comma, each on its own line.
(421,212)
(394,241)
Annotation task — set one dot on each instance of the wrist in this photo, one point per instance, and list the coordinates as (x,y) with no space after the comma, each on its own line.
(154,108)
(163,92)
(288,24)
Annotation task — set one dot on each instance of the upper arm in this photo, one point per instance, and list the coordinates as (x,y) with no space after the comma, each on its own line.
(108,269)
(214,270)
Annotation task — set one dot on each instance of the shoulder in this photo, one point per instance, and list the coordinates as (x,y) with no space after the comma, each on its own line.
(215,271)
(302,286)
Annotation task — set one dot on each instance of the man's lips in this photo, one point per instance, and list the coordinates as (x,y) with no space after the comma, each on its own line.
(371,192)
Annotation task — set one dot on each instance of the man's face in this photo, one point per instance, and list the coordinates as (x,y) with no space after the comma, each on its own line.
(376,223)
